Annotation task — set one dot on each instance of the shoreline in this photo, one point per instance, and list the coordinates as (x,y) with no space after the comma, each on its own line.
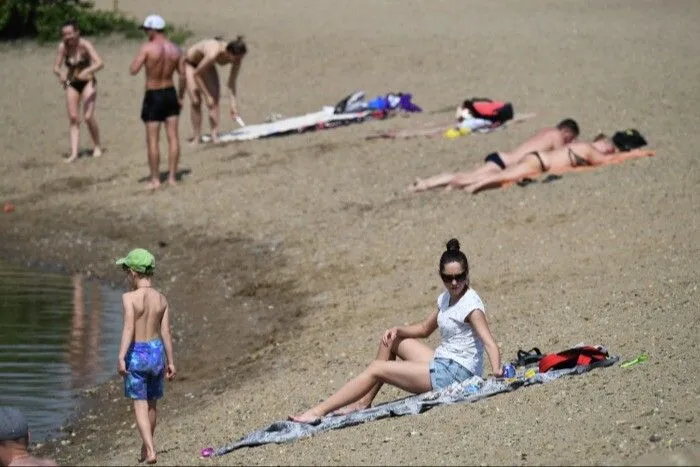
(101,408)
(286,258)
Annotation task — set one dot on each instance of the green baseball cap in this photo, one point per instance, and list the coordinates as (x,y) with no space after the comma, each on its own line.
(139,260)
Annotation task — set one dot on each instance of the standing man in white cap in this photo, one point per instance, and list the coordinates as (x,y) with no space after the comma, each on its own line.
(14,440)
(161,103)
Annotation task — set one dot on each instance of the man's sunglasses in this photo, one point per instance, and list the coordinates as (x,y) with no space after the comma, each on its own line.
(454,277)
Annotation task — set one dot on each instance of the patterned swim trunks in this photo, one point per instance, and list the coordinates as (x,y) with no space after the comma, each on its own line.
(145,363)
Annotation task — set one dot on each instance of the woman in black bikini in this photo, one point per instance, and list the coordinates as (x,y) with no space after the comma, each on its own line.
(82,62)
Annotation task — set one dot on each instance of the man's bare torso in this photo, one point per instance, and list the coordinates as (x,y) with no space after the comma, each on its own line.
(546,139)
(162,61)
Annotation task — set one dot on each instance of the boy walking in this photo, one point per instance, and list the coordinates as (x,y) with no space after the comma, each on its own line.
(146,350)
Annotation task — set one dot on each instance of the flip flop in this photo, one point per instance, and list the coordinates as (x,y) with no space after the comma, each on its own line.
(640,359)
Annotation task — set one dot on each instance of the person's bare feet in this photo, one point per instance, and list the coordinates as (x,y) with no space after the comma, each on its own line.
(172,181)
(70,159)
(143,453)
(350,408)
(417,186)
(97,152)
(308,417)
(153,185)
(194,140)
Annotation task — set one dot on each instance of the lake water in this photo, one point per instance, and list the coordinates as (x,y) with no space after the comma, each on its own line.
(58,335)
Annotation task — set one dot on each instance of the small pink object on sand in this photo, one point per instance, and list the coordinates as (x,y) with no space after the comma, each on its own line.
(207,452)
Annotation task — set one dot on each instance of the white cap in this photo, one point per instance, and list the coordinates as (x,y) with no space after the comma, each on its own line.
(154,22)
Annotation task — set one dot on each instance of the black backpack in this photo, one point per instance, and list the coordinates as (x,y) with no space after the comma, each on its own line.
(627,140)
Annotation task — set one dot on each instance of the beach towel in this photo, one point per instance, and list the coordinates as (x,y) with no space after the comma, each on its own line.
(471,390)
(323,119)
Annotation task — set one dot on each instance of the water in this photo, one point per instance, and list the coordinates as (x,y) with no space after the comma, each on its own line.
(58,336)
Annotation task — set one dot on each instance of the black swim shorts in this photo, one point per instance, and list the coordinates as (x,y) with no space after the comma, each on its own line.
(159,105)
(496,159)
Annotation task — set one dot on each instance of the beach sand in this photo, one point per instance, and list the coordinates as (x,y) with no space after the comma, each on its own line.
(285,259)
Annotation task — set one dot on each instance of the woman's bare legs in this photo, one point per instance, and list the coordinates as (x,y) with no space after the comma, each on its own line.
(411,374)
(211,81)
(462,179)
(89,101)
(424,184)
(73,107)
(528,166)
(195,104)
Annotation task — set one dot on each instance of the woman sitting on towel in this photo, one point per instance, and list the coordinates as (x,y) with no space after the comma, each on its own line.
(82,62)
(203,80)
(407,363)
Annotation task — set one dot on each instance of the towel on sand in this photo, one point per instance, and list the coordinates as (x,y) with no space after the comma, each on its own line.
(467,391)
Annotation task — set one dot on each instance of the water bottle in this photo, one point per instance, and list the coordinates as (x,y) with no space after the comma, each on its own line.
(508,370)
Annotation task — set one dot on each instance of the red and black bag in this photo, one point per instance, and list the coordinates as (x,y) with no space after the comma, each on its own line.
(489,109)
(584,355)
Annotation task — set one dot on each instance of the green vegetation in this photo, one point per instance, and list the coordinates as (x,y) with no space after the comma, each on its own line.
(42,20)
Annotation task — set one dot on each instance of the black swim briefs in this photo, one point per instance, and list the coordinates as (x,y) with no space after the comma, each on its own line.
(159,105)
(496,159)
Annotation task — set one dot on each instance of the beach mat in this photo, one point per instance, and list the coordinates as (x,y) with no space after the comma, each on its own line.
(323,119)
(471,390)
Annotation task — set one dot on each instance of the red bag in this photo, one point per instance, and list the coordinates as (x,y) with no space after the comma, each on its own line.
(570,358)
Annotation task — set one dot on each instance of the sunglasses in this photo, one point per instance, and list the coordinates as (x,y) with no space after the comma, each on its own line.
(461,277)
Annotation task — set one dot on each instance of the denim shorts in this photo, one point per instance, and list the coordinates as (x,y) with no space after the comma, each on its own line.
(444,372)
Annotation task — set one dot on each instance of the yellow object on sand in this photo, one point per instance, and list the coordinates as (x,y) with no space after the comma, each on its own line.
(453,133)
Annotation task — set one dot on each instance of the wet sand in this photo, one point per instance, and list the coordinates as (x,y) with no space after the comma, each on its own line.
(286,258)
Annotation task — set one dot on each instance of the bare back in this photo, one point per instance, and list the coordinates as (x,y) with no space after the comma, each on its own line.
(570,156)
(204,48)
(162,61)
(546,139)
(149,307)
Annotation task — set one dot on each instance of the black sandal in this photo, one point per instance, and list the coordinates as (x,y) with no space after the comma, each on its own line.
(528,358)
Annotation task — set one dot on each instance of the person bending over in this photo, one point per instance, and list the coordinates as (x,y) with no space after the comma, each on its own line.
(203,80)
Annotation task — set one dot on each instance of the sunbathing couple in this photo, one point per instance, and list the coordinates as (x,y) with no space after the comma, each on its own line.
(551,150)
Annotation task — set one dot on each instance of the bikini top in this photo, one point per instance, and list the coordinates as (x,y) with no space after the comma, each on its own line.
(82,62)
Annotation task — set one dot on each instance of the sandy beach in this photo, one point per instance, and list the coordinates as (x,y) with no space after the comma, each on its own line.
(285,259)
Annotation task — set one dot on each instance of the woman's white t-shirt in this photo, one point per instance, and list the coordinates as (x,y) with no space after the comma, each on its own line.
(458,341)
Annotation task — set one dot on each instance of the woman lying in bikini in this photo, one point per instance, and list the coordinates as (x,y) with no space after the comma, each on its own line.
(82,62)
(601,151)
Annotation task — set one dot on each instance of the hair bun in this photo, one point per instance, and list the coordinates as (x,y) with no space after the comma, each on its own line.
(453,245)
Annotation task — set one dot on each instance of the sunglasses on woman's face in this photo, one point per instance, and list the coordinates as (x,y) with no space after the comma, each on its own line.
(461,277)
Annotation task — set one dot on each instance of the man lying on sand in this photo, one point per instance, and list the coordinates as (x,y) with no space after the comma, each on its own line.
(601,151)
(546,139)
